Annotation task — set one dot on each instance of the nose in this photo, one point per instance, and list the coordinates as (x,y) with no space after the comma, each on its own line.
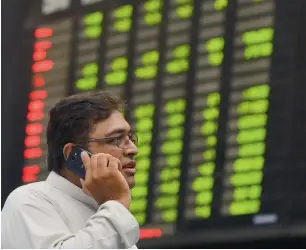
(131,149)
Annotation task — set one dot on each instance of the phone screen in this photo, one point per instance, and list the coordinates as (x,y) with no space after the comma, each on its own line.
(74,162)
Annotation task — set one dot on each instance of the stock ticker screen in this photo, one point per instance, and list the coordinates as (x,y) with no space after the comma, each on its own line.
(198,79)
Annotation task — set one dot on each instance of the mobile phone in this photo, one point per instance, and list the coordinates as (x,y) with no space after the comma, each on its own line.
(74,162)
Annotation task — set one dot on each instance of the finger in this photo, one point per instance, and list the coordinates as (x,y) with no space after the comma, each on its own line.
(94,165)
(102,163)
(85,159)
(114,164)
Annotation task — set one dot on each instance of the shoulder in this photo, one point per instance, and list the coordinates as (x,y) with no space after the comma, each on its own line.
(29,194)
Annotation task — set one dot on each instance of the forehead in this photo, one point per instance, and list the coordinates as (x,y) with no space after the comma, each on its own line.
(116,121)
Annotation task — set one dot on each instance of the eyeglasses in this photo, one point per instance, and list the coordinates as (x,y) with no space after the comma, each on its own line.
(122,141)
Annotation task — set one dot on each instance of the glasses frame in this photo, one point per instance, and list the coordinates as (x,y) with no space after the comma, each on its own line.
(106,140)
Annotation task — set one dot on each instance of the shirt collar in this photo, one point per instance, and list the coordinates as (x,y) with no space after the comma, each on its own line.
(70,189)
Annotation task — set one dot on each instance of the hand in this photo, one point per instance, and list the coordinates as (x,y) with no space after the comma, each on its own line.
(103,179)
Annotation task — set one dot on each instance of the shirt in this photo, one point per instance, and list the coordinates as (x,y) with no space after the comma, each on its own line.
(57,214)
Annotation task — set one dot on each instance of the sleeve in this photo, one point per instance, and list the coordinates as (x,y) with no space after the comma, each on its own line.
(39,225)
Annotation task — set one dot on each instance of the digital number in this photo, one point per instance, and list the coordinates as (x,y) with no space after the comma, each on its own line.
(203,185)
(118,72)
(172,150)
(144,124)
(93,25)
(123,18)
(248,174)
(185,9)
(214,48)
(153,12)
(180,60)
(149,61)
(258,43)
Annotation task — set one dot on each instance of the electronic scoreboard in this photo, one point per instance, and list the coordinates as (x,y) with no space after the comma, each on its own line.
(209,86)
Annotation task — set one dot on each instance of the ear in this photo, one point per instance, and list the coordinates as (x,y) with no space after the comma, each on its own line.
(67,149)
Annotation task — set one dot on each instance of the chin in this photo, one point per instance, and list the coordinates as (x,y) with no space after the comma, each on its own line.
(130,181)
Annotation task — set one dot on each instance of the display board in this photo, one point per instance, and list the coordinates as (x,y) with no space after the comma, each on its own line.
(207,84)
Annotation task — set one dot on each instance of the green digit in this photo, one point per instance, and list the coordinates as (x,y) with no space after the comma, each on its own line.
(203,198)
(93,22)
(166,202)
(93,18)
(248,164)
(176,106)
(173,160)
(185,9)
(220,4)
(260,106)
(123,12)
(171,187)
(215,48)
(172,147)
(213,99)
(119,63)
(146,110)
(141,177)
(211,141)
(86,84)
(118,73)
(211,114)
(243,179)
(90,69)
(203,183)
(203,211)
(258,43)
(143,163)
(180,61)
(138,205)
(149,61)
(256,92)
(247,136)
(169,215)
(206,168)
(144,137)
(209,128)
(153,10)
(173,133)
(140,218)
(123,17)
(140,191)
(170,173)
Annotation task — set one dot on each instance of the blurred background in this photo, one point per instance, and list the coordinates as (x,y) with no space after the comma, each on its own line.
(215,89)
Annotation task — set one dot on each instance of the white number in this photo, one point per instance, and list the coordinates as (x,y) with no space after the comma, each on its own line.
(87,2)
(51,6)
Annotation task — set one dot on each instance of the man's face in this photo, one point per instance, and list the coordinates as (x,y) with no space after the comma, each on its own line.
(114,126)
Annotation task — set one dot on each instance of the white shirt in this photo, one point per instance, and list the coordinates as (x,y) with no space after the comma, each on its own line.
(57,214)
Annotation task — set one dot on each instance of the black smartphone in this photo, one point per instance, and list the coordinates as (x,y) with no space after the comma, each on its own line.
(74,162)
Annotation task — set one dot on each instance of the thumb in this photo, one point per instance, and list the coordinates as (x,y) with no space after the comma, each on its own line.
(85,159)
(86,191)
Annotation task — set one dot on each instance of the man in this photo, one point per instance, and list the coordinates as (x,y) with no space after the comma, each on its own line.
(65,211)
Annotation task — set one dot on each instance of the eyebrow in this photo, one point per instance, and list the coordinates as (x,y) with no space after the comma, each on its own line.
(117,131)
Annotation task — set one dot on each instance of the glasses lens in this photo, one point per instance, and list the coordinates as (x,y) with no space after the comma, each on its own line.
(134,139)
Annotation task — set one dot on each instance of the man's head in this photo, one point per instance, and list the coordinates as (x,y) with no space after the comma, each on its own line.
(83,120)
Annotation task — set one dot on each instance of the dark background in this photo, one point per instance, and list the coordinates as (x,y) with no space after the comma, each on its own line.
(16,71)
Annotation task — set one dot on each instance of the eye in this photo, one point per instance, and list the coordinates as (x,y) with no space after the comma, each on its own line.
(116,140)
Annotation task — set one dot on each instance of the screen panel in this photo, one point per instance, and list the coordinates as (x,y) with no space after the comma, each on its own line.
(50,73)
(142,52)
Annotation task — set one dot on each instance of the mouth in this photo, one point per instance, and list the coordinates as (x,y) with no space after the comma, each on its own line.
(129,168)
